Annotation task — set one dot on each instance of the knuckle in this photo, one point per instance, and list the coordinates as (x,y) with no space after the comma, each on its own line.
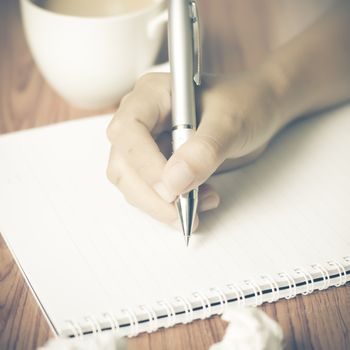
(114,175)
(110,133)
(157,87)
(126,100)
(131,201)
(233,123)
(126,97)
(147,78)
(114,129)
(150,78)
(123,101)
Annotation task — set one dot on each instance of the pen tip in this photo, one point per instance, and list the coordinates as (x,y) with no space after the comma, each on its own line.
(187,207)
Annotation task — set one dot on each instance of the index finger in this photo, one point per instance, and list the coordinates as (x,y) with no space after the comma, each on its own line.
(145,110)
(148,104)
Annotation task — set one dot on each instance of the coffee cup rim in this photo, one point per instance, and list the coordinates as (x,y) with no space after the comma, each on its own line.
(156,4)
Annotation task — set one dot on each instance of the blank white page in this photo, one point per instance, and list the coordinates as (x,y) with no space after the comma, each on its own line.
(85,250)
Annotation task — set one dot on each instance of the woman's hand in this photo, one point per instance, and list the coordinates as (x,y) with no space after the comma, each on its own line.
(237,119)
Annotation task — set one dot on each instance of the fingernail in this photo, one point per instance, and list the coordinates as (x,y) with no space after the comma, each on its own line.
(179,176)
(163,192)
(209,202)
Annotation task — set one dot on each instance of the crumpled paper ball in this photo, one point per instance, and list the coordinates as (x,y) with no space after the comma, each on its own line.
(100,342)
(250,329)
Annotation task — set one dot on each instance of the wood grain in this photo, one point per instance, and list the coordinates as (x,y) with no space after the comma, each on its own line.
(237,36)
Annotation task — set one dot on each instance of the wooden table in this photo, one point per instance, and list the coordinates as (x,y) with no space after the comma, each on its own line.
(236,37)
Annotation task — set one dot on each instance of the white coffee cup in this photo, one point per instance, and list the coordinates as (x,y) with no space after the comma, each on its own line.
(93,61)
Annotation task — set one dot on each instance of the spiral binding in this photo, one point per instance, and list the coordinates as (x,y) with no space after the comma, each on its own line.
(95,326)
(205,303)
(171,314)
(292,288)
(324,274)
(309,282)
(341,271)
(166,313)
(256,290)
(222,299)
(187,308)
(240,297)
(152,317)
(275,292)
(134,324)
(75,328)
(112,321)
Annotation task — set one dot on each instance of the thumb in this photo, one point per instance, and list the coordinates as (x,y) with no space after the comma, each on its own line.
(195,161)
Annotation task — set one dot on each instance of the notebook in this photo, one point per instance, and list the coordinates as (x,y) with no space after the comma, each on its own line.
(97,264)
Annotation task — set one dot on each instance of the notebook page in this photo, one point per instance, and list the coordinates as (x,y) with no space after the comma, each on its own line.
(86,251)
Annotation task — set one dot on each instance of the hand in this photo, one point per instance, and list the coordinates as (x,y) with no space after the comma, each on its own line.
(238,118)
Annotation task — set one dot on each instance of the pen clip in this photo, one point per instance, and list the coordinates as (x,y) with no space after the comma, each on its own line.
(196,43)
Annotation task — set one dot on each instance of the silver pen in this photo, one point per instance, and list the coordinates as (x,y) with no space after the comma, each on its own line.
(185,63)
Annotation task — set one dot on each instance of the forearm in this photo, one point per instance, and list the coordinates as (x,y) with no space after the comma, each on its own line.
(313,70)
